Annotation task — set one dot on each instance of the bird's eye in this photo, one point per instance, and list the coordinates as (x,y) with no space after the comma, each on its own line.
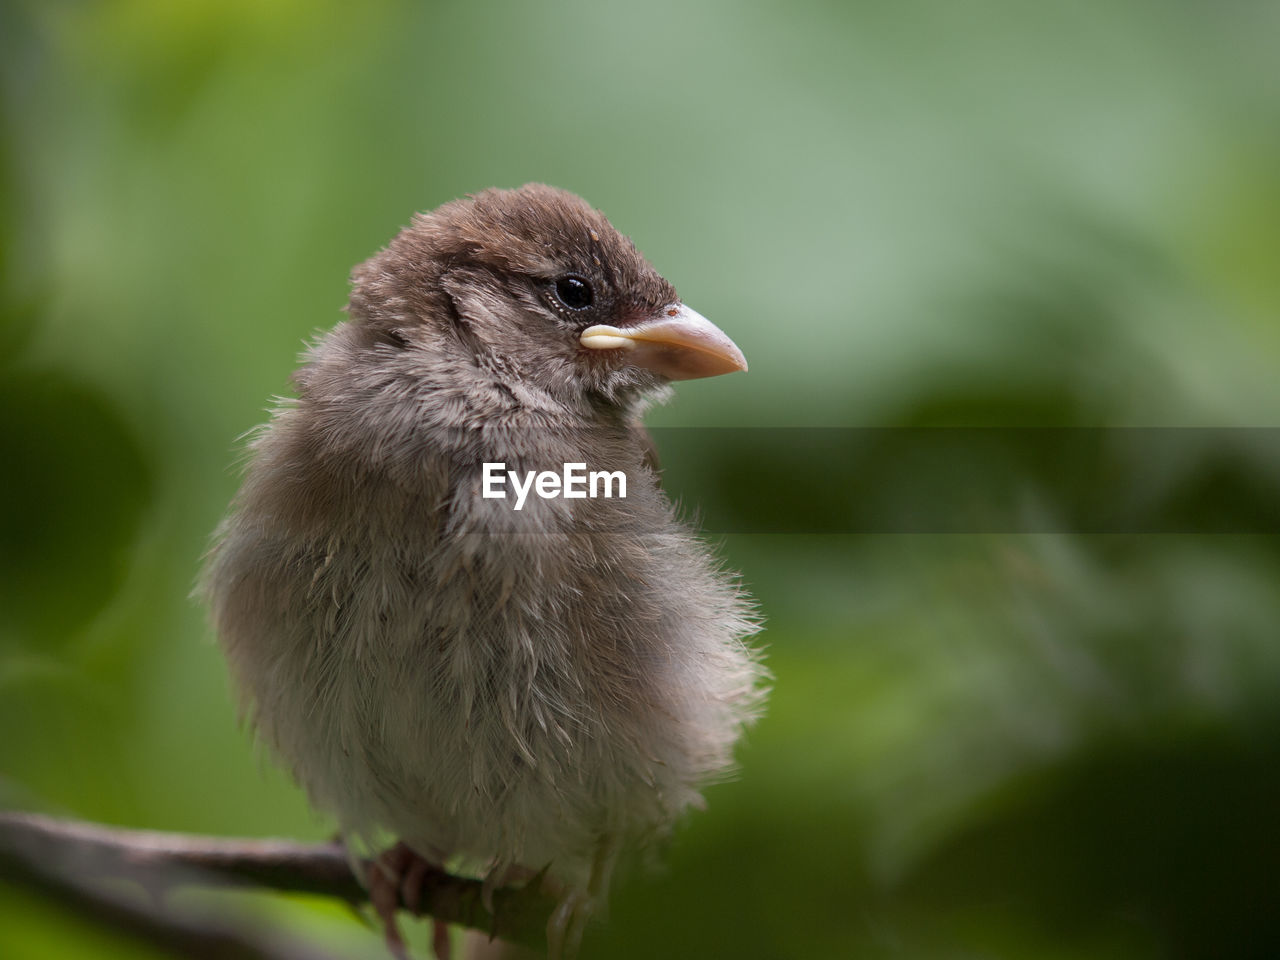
(573,292)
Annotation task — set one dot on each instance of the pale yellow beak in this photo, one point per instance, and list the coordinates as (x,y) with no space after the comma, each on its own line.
(681,344)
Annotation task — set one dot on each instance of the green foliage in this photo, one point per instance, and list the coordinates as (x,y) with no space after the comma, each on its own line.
(999,740)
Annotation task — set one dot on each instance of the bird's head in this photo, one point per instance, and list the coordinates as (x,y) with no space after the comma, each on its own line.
(538,288)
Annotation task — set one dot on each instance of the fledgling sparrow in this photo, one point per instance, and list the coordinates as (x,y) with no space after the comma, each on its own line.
(509,688)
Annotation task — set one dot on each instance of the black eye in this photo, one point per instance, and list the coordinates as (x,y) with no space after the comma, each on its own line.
(573,292)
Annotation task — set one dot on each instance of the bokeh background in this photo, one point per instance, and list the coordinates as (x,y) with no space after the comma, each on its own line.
(1047,742)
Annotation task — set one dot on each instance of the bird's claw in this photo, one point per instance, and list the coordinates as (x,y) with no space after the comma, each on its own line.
(395,879)
(384,896)
(567,924)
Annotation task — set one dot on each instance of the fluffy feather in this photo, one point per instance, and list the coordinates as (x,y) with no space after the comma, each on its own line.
(507,688)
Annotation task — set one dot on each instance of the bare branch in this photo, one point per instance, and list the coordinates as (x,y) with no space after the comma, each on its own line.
(198,938)
(60,857)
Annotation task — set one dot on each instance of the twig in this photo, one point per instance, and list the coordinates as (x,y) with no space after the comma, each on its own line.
(197,938)
(59,857)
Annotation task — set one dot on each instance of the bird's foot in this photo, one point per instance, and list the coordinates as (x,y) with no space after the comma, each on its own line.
(382,877)
(567,923)
(395,879)
(576,906)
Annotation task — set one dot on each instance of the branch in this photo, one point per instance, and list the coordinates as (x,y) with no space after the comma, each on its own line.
(184,936)
(60,857)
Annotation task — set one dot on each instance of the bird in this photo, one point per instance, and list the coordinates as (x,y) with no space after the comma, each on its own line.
(523,691)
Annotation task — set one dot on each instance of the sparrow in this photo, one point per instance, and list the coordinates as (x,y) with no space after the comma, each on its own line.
(522,691)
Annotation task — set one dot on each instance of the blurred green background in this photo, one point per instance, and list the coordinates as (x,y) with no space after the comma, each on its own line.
(985,213)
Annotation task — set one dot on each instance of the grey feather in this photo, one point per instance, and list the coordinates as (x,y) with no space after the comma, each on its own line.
(506,688)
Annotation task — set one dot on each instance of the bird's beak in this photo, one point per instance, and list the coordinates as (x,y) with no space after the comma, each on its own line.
(679,344)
